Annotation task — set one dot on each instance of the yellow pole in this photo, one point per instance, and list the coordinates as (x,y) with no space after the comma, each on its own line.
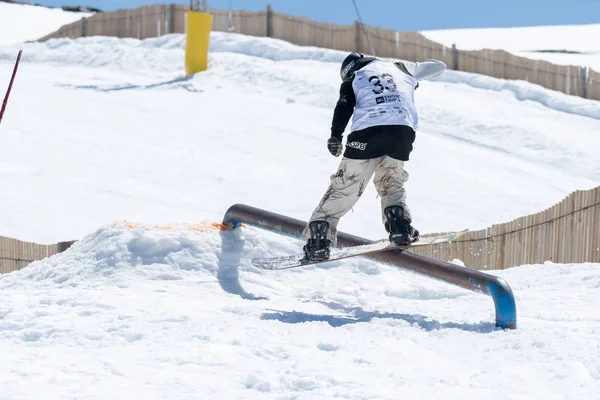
(198,29)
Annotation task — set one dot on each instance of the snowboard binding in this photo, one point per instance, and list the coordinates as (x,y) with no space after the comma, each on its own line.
(401,231)
(317,246)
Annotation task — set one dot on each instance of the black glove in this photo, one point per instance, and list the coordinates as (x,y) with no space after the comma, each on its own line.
(335,146)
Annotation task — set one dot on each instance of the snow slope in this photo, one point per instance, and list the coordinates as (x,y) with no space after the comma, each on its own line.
(151,312)
(118,133)
(578,42)
(19,22)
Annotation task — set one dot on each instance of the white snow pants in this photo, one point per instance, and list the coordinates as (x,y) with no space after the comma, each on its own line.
(349,183)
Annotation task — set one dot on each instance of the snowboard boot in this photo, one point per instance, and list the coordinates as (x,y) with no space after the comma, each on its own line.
(400,230)
(317,247)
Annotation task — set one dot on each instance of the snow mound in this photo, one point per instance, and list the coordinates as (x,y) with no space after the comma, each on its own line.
(22,22)
(123,251)
(581,38)
(525,91)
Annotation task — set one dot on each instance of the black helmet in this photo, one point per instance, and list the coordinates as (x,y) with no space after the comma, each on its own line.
(349,64)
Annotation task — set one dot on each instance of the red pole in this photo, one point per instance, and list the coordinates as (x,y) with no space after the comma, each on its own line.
(12,79)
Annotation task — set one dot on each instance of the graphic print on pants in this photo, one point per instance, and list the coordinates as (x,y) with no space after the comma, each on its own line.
(349,183)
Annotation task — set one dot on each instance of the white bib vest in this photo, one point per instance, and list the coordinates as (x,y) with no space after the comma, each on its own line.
(384,96)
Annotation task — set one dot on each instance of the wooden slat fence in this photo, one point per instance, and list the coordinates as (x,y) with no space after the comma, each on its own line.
(15,254)
(568,232)
(156,20)
(249,23)
(141,23)
(304,32)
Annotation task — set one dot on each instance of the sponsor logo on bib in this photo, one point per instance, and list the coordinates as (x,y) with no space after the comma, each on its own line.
(357,145)
(388,98)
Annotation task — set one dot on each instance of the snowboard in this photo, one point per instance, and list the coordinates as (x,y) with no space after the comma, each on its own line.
(300,260)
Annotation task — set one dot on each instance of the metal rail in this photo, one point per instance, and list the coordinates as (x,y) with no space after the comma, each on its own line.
(466,278)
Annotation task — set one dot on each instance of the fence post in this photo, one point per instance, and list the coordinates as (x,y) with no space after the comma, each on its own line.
(356,36)
(269,21)
(583,79)
(167,15)
(568,80)
(158,20)
(454,57)
(83,27)
(172,18)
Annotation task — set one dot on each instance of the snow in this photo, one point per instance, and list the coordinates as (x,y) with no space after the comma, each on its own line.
(581,38)
(105,141)
(20,22)
(154,312)
(579,43)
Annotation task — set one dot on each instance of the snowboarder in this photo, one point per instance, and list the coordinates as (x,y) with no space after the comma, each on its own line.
(380,97)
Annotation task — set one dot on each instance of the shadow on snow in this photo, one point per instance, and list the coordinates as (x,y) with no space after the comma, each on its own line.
(357,314)
(175,83)
(228,266)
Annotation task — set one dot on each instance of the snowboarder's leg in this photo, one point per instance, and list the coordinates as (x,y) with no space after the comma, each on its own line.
(347,185)
(390,177)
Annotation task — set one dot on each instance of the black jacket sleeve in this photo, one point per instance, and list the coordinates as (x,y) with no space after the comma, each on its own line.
(343,109)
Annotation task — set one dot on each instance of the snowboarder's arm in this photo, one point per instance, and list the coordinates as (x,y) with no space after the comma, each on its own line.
(343,109)
(422,70)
